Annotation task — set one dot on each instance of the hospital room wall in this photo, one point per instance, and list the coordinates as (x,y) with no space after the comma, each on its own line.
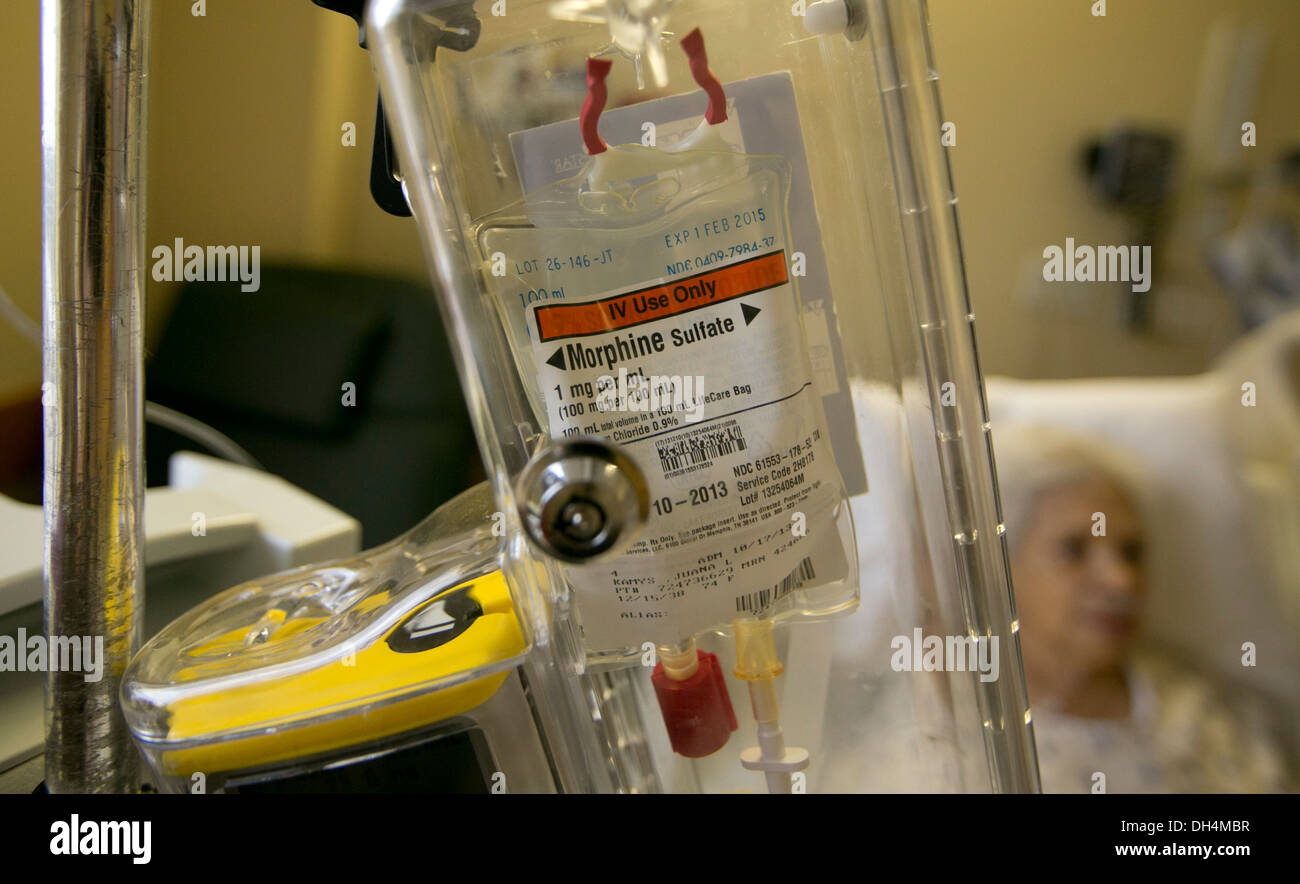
(247,105)
(1027,83)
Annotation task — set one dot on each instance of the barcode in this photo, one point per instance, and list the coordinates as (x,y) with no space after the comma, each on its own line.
(753,602)
(704,448)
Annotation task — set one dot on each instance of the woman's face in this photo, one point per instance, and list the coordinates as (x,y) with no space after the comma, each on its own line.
(1078,590)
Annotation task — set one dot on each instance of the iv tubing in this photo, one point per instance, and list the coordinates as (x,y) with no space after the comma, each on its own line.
(757,663)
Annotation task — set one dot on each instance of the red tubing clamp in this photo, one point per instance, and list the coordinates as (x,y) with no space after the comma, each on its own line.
(597,70)
(693,43)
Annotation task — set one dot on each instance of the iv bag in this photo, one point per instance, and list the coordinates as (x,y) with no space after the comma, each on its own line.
(648,300)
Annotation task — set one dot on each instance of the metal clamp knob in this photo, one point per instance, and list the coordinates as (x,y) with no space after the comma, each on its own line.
(579,498)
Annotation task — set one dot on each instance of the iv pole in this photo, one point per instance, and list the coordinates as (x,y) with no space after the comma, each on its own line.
(93,66)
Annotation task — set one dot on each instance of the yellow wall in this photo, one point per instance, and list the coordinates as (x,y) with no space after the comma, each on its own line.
(245,148)
(246,106)
(1027,82)
(20,193)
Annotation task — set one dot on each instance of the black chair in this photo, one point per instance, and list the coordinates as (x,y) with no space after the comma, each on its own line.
(342,383)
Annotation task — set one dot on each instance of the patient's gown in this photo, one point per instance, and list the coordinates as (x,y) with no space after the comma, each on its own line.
(1182,735)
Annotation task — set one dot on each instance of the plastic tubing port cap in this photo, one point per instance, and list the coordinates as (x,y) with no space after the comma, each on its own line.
(697,711)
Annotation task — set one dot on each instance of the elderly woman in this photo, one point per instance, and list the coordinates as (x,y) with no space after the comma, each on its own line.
(1107,716)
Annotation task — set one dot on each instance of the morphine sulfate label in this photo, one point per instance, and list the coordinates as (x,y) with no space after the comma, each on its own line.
(704,381)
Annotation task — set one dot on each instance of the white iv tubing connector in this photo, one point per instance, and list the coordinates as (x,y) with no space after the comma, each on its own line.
(757,664)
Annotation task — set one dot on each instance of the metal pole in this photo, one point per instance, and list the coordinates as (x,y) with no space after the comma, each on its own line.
(93,66)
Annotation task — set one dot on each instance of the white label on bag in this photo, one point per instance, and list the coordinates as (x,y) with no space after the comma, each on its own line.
(704,381)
